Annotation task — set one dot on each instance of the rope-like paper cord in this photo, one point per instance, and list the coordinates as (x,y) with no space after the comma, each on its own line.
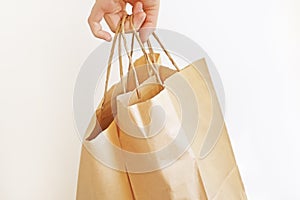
(120,29)
(152,53)
(129,56)
(121,64)
(110,63)
(131,49)
(145,53)
(165,50)
(150,47)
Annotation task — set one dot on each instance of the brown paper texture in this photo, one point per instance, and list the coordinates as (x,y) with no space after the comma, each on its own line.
(205,170)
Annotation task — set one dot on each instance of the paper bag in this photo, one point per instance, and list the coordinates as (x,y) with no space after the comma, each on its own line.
(96,180)
(168,141)
(206,170)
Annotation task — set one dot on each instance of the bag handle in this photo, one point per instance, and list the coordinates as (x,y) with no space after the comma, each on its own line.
(150,62)
(145,52)
(151,51)
(121,32)
(149,47)
(121,63)
(165,50)
(112,50)
(131,53)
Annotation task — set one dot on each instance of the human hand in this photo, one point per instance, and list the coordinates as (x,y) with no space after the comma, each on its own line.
(145,13)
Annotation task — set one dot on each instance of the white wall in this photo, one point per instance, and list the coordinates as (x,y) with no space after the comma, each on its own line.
(254,45)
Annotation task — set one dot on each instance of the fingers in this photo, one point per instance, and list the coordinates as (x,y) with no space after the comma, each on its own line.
(138,13)
(112,18)
(150,22)
(113,11)
(94,22)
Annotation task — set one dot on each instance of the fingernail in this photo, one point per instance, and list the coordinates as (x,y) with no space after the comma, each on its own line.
(140,7)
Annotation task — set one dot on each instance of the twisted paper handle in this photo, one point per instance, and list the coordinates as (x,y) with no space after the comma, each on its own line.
(120,32)
(112,50)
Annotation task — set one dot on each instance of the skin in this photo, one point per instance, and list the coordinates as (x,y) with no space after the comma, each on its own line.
(145,14)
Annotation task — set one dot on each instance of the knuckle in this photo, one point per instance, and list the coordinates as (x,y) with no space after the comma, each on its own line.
(89,20)
(113,29)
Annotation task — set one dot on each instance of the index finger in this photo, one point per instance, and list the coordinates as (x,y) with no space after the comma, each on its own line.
(150,22)
(94,22)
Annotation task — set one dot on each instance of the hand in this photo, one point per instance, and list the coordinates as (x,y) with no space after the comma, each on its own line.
(145,13)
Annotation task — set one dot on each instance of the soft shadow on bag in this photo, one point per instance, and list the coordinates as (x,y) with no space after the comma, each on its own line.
(158,134)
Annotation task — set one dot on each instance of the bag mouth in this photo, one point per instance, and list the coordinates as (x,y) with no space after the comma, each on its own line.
(145,93)
(106,116)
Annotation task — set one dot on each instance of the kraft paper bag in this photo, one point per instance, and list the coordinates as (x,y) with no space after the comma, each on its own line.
(155,176)
(207,169)
(167,141)
(96,180)
(212,147)
(106,115)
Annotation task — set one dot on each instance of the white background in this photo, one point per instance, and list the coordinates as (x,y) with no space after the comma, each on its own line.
(255,45)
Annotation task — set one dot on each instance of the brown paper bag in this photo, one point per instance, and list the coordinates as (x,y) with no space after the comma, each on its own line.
(215,176)
(204,170)
(151,177)
(207,169)
(96,180)
(212,147)
(106,115)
